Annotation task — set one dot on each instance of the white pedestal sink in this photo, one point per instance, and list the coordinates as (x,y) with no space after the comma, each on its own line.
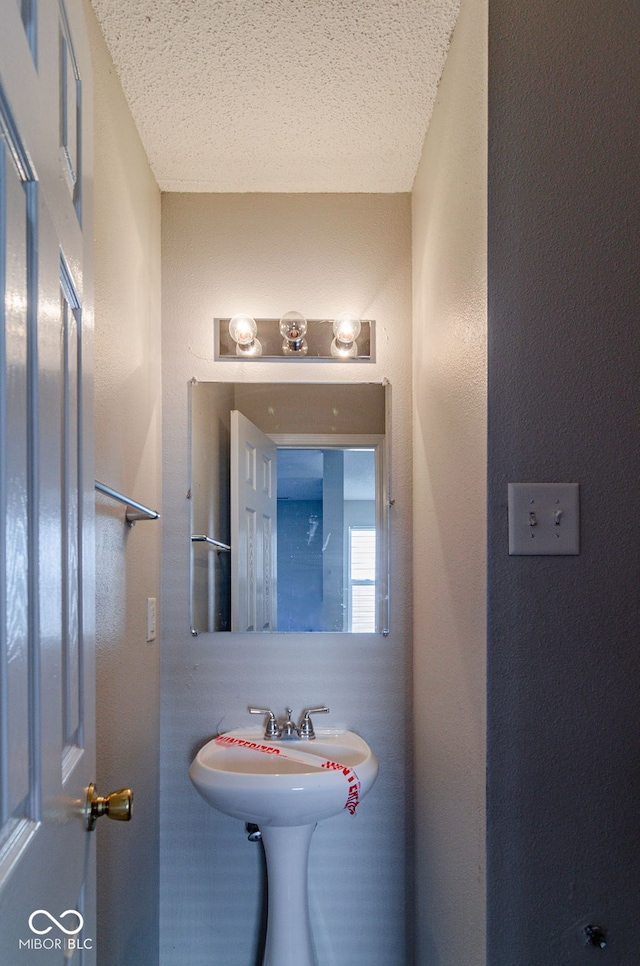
(285,787)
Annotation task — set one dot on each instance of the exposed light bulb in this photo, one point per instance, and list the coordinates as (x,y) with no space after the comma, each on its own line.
(243,329)
(346,329)
(293,328)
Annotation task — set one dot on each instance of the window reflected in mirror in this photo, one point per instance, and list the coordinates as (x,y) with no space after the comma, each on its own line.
(326,559)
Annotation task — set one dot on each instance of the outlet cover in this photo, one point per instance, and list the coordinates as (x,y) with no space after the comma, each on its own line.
(544,519)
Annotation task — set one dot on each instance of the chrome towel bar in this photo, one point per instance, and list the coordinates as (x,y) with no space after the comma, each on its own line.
(135,510)
(203,538)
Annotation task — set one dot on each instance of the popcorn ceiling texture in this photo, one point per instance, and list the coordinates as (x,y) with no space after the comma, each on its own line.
(280,95)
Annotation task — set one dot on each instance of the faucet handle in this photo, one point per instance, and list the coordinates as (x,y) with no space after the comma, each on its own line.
(271,728)
(306,725)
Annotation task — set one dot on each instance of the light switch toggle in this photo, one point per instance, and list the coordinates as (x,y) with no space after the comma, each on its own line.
(532,520)
(557,517)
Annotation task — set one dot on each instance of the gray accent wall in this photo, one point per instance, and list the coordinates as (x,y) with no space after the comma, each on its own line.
(564,401)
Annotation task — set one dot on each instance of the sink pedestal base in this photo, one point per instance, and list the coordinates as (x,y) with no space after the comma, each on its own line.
(289,941)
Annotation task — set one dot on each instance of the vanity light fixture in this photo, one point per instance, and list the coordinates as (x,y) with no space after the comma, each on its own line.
(293,338)
(243,330)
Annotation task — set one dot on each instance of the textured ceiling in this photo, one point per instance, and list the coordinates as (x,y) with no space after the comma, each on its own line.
(280,95)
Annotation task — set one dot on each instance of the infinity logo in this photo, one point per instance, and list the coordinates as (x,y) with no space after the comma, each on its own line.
(56,922)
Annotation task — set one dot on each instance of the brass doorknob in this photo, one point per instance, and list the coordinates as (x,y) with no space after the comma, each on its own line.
(118,805)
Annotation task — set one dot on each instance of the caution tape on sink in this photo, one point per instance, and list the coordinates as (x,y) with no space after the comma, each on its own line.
(353,782)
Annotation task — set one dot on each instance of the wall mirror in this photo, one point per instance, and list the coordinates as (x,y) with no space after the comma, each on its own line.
(289,507)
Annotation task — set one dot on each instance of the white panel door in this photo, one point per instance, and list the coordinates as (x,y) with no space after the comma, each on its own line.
(253,527)
(47,891)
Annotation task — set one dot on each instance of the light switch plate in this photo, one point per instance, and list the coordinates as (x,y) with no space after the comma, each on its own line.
(151,618)
(544,518)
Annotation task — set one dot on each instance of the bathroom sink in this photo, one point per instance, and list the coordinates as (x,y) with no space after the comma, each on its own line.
(284,782)
(285,786)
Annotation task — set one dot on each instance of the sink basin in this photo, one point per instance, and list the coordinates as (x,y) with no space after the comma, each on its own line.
(284,783)
(285,787)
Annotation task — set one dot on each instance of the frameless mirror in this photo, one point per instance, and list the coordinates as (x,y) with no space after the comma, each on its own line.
(289,507)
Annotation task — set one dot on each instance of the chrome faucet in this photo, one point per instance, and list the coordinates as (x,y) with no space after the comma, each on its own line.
(271,728)
(306,724)
(287,730)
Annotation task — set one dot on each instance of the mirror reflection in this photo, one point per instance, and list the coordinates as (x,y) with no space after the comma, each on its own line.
(326,556)
(289,507)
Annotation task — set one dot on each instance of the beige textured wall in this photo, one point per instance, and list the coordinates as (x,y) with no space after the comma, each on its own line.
(450,322)
(127,446)
(266,254)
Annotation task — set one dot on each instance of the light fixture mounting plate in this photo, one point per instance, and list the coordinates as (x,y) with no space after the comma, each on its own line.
(318,338)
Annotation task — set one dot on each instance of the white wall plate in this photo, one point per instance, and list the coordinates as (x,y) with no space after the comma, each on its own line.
(544,518)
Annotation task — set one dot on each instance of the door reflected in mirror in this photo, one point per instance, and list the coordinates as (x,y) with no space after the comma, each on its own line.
(289,505)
